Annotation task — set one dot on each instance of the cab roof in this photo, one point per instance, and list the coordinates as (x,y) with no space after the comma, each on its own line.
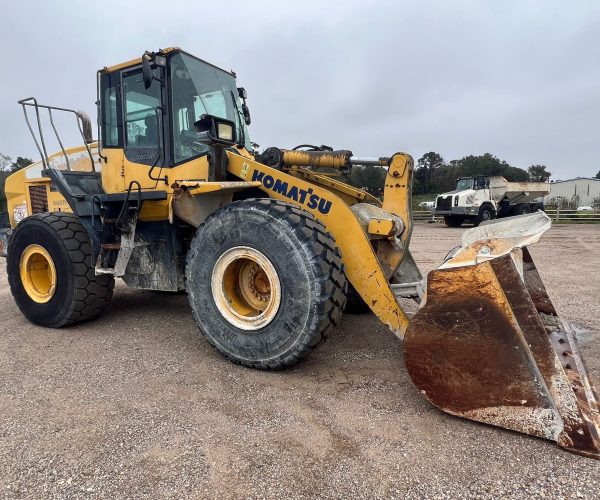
(159,52)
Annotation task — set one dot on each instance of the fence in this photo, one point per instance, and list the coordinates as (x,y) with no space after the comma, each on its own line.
(557,216)
(424,215)
(573,216)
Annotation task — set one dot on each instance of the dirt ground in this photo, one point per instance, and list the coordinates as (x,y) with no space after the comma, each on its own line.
(137,404)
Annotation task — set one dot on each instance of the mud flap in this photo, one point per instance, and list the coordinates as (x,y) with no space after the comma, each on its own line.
(487,345)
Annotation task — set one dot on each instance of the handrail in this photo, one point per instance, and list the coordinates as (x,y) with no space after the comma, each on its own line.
(43,155)
(80,119)
(59,141)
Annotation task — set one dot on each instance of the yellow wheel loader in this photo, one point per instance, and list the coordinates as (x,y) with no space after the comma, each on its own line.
(173,196)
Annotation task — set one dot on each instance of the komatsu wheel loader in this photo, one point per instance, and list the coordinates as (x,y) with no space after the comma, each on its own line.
(173,197)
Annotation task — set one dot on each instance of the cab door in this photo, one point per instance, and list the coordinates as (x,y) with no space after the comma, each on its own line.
(144,130)
(132,130)
(111,131)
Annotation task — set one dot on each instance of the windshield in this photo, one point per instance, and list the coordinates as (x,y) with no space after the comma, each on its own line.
(463,184)
(199,88)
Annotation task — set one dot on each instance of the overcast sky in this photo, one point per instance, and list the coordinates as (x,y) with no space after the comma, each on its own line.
(518,79)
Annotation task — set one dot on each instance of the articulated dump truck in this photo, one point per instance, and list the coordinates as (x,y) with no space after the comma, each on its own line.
(271,251)
(484,197)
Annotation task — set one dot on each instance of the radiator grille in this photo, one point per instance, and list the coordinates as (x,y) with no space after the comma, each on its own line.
(443,203)
(39,199)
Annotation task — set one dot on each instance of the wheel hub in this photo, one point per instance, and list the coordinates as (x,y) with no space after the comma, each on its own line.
(38,274)
(246,288)
(254,285)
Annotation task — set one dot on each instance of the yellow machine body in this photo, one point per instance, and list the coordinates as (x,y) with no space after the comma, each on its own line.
(485,299)
(360,259)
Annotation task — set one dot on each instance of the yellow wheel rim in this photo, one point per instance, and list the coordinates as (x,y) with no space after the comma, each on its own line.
(38,274)
(246,288)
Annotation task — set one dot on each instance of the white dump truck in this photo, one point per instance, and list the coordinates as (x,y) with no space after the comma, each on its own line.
(483,197)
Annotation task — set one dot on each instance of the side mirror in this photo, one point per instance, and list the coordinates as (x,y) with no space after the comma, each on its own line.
(147,71)
(246,112)
(243,96)
(212,129)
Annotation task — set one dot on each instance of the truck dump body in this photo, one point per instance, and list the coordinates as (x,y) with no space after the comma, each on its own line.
(517,192)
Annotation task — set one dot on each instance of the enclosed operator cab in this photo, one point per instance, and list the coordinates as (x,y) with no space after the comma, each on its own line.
(147,111)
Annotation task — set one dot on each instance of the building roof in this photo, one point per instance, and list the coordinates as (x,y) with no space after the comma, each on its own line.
(576,179)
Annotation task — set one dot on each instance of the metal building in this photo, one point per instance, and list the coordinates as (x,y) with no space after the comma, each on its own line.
(574,193)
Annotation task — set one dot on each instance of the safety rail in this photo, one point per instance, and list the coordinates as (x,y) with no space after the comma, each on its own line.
(83,124)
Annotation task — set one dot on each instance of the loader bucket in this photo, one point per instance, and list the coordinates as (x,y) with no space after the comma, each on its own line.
(487,344)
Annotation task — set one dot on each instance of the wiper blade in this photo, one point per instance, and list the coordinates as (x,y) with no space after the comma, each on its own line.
(242,142)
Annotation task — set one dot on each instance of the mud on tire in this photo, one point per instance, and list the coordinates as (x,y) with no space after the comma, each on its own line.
(309,269)
(79,294)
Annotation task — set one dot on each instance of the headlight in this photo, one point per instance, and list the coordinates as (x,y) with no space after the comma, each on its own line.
(213,129)
(225,132)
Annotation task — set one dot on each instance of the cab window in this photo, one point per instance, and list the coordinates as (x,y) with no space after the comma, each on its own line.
(483,182)
(111,129)
(197,88)
(142,112)
(463,184)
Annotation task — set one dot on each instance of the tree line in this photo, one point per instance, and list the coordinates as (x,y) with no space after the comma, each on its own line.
(7,167)
(433,175)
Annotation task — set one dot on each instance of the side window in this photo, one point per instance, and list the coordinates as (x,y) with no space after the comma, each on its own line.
(142,119)
(111,136)
(111,126)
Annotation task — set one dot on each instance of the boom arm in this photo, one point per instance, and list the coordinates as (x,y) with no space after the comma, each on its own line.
(392,249)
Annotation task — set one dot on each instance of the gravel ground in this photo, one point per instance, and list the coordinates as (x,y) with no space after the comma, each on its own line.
(136,404)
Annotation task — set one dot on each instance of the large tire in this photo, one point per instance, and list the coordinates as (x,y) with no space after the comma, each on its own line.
(57,248)
(301,265)
(486,212)
(522,208)
(454,220)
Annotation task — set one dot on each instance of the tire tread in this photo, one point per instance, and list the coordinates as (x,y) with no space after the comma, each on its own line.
(329,272)
(92,294)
